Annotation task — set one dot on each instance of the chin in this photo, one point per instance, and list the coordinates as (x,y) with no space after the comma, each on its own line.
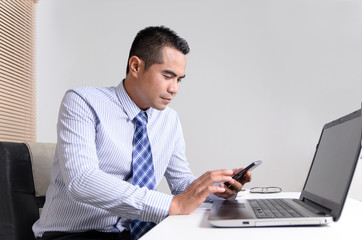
(160,107)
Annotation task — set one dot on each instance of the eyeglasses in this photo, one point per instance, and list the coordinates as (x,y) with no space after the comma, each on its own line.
(265,190)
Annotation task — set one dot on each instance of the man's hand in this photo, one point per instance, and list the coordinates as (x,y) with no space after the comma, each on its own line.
(190,199)
(187,201)
(235,186)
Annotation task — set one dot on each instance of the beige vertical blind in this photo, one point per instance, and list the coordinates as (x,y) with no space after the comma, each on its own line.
(17,70)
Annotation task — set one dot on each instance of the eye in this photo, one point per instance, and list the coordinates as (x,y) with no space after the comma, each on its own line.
(167,77)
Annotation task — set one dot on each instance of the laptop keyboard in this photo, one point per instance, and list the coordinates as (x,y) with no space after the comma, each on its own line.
(273,208)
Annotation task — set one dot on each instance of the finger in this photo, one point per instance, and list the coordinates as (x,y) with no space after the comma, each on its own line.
(237,170)
(246,178)
(229,193)
(211,190)
(225,172)
(235,186)
(211,177)
(229,190)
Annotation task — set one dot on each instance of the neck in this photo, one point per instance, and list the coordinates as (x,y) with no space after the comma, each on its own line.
(131,89)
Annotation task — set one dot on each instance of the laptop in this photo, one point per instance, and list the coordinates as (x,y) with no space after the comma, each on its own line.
(324,191)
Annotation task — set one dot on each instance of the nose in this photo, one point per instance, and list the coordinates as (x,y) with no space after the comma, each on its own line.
(173,87)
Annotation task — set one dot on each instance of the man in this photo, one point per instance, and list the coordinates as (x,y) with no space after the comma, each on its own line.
(115,145)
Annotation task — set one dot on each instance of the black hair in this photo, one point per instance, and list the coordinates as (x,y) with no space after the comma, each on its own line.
(149,43)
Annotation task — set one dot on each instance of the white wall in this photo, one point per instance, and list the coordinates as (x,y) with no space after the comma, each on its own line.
(263,76)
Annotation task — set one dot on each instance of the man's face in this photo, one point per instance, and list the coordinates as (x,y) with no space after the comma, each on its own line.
(160,83)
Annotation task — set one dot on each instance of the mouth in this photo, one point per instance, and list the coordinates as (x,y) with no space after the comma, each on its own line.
(166,100)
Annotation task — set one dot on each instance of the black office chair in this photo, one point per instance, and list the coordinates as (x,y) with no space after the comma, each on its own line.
(24,178)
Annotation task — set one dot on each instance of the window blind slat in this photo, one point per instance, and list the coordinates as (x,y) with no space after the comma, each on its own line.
(14,22)
(18,118)
(10,54)
(26,6)
(21,78)
(17,112)
(9,119)
(8,26)
(6,66)
(14,65)
(11,39)
(14,105)
(6,97)
(17,70)
(16,86)
(19,132)
(21,116)
(15,62)
(12,138)
(19,46)
(16,12)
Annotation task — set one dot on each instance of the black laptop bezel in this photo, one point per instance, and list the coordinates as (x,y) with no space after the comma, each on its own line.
(333,208)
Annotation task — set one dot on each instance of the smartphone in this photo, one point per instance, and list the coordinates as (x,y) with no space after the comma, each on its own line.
(241,174)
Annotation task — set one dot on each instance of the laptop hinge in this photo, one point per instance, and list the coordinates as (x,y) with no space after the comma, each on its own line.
(315,207)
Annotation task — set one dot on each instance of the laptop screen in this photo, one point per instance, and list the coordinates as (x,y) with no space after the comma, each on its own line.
(334,163)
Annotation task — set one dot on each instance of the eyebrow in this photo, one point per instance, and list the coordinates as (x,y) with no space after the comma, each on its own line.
(172,73)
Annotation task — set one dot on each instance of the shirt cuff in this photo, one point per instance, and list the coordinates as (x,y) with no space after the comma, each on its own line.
(157,206)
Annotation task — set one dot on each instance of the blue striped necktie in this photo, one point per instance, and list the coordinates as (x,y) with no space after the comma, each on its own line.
(142,167)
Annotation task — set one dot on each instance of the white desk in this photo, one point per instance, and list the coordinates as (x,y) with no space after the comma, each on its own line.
(196,226)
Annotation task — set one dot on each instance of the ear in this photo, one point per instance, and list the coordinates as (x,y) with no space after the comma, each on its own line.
(135,65)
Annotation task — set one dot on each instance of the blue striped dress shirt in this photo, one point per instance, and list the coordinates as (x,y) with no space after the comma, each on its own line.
(91,177)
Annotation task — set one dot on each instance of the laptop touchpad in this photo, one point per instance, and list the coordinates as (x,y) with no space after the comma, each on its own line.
(232,204)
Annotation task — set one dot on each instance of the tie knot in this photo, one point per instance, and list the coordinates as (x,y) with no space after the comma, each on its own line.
(141,119)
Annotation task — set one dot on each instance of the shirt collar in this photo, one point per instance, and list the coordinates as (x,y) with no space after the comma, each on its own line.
(129,107)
